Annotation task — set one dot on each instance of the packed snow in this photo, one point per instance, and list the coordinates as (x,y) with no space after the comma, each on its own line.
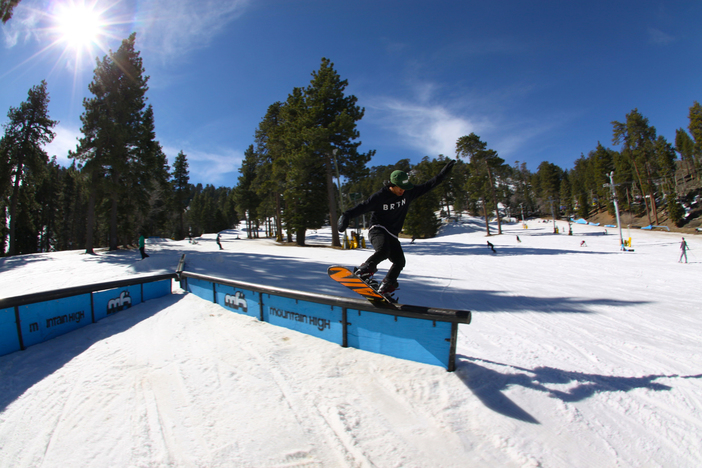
(578,355)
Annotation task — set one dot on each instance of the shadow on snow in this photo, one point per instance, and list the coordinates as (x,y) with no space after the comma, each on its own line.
(488,384)
(21,370)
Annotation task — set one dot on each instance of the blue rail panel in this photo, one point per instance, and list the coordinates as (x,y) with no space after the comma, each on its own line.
(414,339)
(201,288)
(156,289)
(238,300)
(320,320)
(45,320)
(114,300)
(9,339)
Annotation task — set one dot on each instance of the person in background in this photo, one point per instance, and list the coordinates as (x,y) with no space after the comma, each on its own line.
(683,251)
(142,246)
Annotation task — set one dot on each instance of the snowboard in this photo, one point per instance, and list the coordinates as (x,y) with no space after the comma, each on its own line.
(343,275)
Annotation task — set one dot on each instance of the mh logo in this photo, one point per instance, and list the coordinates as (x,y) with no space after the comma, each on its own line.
(122,302)
(236,301)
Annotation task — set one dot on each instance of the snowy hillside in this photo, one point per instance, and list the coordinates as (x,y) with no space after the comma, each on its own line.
(578,355)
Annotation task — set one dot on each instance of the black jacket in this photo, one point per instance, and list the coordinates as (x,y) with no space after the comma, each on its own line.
(388,209)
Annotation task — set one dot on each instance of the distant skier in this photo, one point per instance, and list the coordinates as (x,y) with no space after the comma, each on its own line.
(389,206)
(583,244)
(519,240)
(142,247)
(491,247)
(683,251)
(218,241)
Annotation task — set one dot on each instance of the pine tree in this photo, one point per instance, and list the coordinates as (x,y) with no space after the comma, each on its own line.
(270,174)
(118,149)
(24,159)
(330,126)
(319,133)
(486,166)
(246,196)
(421,218)
(181,182)
(695,128)
(686,148)
(637,138)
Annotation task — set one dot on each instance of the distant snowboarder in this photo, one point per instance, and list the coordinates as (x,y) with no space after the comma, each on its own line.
(491,247)
(683,251)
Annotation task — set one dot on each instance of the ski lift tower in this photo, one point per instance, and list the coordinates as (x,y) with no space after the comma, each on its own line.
(611,185)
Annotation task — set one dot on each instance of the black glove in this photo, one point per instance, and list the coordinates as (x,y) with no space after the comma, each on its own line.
(448,166)
(343,222)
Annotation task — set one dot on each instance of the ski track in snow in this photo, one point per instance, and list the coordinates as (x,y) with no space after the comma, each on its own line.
(576,357)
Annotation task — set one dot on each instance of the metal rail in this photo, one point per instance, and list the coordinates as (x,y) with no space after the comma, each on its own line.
(8,302)
(400,310)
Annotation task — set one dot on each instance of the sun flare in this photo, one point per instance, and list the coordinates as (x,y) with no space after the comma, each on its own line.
(79,25)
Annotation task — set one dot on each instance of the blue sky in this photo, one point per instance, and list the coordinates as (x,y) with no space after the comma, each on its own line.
(536,80)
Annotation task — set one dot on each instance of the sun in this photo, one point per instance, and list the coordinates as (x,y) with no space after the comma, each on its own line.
(78,25)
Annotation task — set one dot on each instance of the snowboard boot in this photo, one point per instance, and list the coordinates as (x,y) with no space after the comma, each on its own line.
(365,272)
(387,287)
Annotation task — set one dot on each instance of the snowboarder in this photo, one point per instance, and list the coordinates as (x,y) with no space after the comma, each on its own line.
(389,206)
(142,246)
(218,241)
(683,251)
(491,247)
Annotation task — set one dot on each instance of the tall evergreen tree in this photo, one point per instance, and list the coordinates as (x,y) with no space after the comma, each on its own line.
(547,180)
(181,182)
(566,194)
(686,148)
(695,128)
(637,138)
(28,130)
(246,196)
(118,149)
(330,131)
(486,165)
(270,176)
(318,127)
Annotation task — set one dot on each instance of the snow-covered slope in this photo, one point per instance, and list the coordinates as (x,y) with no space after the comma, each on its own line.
(578,355)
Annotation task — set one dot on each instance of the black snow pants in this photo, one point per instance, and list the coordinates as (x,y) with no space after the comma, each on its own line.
(387,247)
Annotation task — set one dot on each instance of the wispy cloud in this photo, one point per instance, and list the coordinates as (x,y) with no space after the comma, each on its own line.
(66,140)
(430,121)
(165,28)
(209,167)
(216,167)
(658,37)
(173,28)
(431,129)
(425,121)
(24,25)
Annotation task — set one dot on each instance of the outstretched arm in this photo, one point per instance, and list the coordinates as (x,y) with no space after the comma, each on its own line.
(364,207)
(434,181)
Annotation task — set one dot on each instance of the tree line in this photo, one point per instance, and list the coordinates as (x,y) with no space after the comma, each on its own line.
(301,171)
(119,184)
(283,187)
